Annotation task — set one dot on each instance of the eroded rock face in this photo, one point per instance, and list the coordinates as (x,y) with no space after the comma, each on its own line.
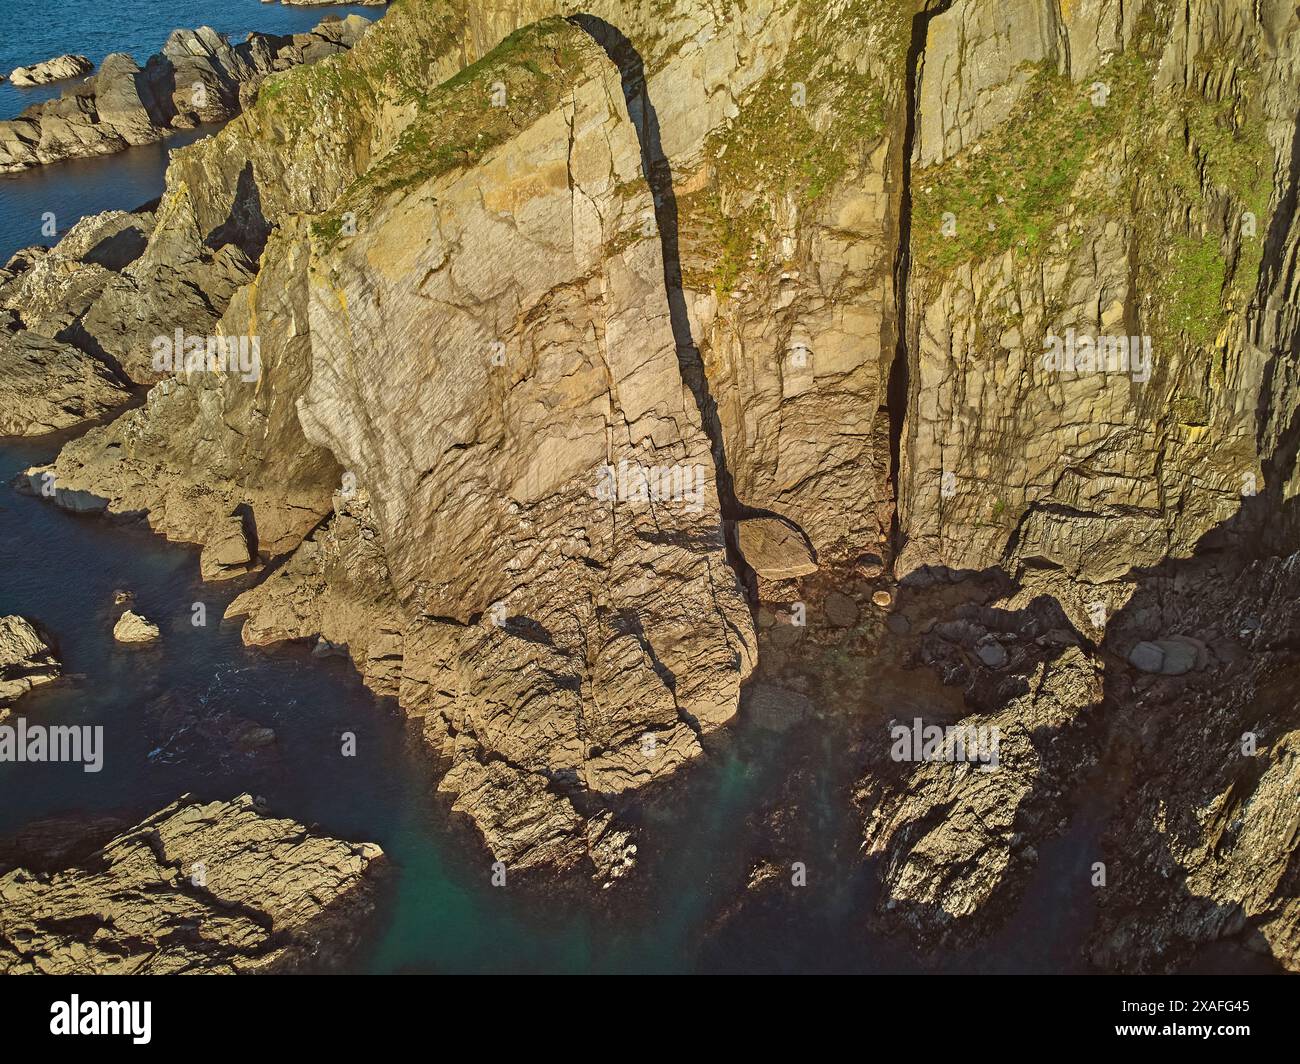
(569,638)
(1083,476)
(196,888)
(53,373)
(1204,847)
(954,826)
(26,660)
(467,310)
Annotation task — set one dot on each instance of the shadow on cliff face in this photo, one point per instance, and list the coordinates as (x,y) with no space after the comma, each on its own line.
(246,226)
(898,389)
(1128,781)
(659,176)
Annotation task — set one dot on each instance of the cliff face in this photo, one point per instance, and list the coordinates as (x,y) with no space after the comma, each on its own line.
(817,253)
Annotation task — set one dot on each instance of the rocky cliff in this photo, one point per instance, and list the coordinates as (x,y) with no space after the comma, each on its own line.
(933,290)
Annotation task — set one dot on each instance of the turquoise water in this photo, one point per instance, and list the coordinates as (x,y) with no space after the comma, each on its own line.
(774,785)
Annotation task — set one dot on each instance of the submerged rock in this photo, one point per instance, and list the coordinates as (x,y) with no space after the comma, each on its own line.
(196,888)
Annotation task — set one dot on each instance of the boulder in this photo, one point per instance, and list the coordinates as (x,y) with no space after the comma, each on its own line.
(133,628)
(775,549)
(1146,657)
(227,552)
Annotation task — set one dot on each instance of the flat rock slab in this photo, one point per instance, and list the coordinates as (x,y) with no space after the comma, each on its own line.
(774,549)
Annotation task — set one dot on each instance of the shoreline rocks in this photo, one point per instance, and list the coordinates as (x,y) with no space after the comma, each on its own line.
(60,68)
(26,660)
(195,888)
(199,76)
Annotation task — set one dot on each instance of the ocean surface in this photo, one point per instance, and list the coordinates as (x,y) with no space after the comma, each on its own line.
(40,29)
(165,711)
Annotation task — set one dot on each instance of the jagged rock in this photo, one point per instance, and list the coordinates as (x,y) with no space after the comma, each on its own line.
(26,659)
(59,68)
(195,888)
(774,549)
(46,385)
(1203,847)
(952,838)
(133,628)
(53,373)
(197,77)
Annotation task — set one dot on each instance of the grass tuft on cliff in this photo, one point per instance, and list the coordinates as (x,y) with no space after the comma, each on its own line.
(800,131)
(482,106)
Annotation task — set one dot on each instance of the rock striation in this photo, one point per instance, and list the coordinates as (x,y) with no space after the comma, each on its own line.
(196,888)
(563,318)
(131,627)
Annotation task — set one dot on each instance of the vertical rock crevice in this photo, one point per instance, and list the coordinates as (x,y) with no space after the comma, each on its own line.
(898,391)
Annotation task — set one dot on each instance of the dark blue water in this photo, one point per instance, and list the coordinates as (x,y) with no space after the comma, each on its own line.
(79,187)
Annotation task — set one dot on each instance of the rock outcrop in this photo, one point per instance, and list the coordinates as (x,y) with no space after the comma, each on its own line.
(60,68)
(198,77)
(131,627)
(54,373)
(26,660)
(197,888)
